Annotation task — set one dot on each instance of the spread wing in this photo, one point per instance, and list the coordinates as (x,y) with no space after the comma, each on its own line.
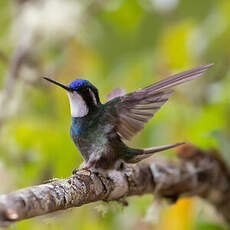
(134,109)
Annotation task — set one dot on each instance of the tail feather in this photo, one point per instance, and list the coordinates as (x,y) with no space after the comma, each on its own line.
(148,152)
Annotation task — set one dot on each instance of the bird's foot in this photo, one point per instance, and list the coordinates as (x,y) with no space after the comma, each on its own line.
(84,171)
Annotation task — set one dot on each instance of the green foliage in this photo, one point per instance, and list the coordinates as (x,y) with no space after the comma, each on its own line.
(209,226)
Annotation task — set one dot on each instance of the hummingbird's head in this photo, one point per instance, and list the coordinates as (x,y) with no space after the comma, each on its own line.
(83,96)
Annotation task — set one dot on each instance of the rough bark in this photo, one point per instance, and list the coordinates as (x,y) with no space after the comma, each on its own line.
(197,172)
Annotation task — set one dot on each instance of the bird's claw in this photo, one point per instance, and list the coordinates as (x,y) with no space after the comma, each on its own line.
(83,171)
(75,171)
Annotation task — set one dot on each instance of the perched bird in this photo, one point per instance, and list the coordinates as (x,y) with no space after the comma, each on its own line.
(99,130)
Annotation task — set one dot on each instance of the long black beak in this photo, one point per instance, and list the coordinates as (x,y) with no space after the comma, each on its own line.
(58,83)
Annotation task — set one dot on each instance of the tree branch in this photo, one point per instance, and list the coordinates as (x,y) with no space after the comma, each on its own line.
(198,172)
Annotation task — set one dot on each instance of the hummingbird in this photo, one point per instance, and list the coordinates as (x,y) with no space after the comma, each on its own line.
(99,131)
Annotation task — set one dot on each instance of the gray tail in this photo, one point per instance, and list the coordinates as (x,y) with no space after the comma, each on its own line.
(148,152)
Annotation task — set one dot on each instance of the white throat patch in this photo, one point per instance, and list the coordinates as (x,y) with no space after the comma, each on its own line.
(78,106)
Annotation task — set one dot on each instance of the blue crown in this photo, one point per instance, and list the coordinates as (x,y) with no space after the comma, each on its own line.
(77,83)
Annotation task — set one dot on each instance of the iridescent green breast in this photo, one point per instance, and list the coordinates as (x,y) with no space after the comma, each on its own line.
(89,133)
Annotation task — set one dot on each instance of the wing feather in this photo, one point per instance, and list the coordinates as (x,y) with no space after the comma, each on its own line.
(116,92)
(134,109)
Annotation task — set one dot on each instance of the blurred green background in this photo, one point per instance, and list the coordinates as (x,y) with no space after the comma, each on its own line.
(112,43)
